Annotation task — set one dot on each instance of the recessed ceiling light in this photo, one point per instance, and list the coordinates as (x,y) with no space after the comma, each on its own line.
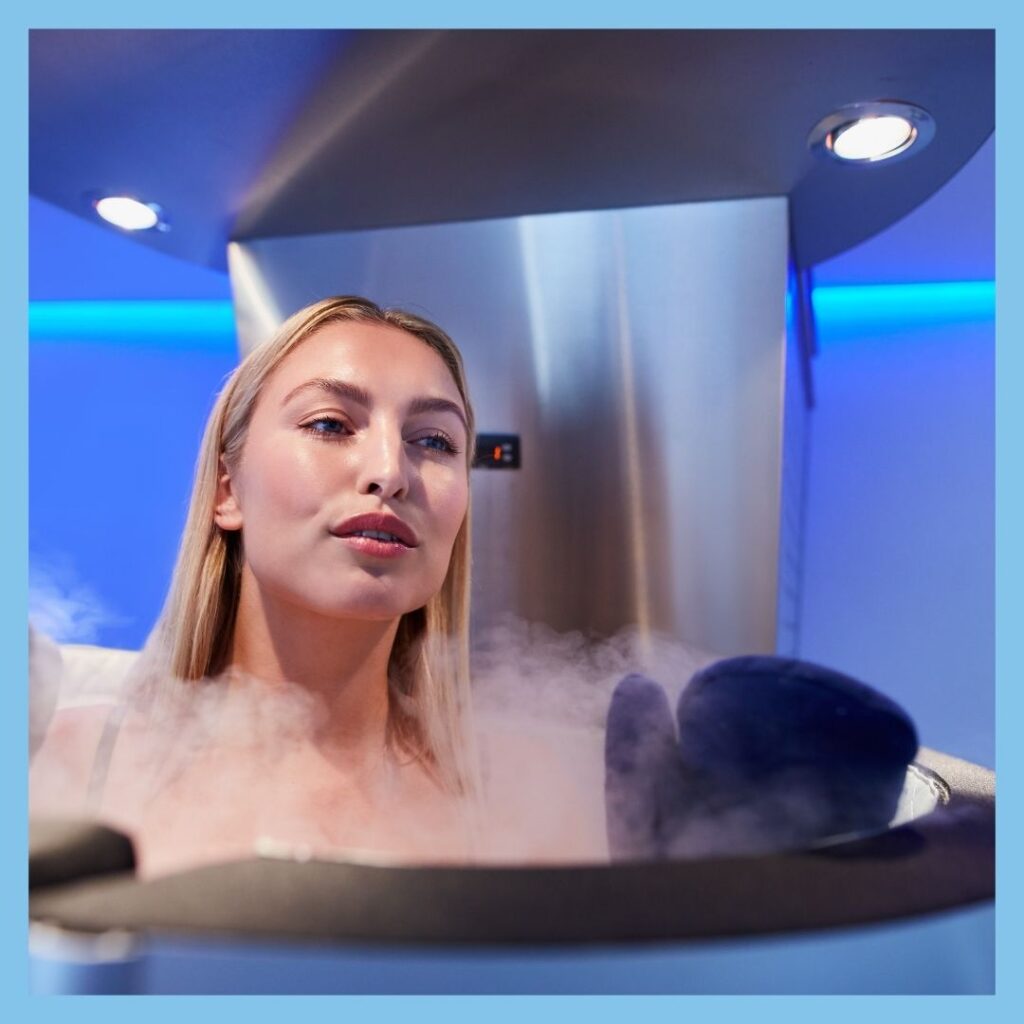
(130,214)
(873,138)
(868,133)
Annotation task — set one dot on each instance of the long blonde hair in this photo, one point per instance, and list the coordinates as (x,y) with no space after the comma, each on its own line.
(428,670)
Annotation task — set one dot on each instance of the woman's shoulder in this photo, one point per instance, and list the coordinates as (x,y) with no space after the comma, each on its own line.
(76,730)
(60,770)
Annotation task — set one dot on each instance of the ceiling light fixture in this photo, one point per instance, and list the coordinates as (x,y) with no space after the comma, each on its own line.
(129,214)
(868,133)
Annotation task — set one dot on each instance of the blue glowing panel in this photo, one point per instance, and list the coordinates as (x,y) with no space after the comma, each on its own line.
(900,546)
(118,396)
(851,311)
(203,324)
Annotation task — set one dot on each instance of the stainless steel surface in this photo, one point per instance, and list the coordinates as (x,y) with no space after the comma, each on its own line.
(641,355)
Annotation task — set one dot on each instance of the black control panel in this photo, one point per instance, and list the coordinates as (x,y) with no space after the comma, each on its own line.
(497,451)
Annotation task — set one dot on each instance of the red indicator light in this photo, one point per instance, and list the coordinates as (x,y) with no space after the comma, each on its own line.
(497,453)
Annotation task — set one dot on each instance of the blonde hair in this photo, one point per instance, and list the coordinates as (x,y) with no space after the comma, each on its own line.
(428,670)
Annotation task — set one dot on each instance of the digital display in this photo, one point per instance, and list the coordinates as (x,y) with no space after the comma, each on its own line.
(497,451)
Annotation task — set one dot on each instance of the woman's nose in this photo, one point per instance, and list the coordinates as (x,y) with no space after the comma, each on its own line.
(384,468)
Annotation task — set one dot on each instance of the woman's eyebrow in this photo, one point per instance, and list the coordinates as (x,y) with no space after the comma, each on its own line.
(355,393)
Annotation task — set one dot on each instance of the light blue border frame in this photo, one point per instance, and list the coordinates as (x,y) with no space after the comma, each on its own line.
(522,14)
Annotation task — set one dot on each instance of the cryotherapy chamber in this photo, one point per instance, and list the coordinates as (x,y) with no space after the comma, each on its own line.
(649,363)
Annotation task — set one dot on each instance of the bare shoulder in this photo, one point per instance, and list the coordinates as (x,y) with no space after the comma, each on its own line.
(59,772)
(75,730)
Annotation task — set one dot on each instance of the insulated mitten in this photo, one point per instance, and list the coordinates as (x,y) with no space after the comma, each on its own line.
(770,754)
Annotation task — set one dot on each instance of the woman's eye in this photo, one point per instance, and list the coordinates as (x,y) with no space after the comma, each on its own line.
(332,430)
(313,425)
(446,444)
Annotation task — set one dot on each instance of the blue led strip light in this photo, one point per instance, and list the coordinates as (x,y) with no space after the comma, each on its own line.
(906,305)
(211,324)
(173,323)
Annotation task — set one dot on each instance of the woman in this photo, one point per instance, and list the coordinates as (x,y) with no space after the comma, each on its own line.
(322,585)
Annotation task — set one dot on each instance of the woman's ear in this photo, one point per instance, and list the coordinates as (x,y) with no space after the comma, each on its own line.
(227,513)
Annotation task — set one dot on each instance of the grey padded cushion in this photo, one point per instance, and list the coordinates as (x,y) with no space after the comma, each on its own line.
(64,851)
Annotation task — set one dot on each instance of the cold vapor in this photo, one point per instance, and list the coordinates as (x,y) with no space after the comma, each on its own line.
(236,767)
(211,770)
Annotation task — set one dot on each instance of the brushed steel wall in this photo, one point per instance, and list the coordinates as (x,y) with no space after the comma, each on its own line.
(641,355)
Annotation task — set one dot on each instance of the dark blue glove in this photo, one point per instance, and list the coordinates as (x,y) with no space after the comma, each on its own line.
(770,754)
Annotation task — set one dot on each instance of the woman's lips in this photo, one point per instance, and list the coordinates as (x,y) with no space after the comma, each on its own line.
(377,522)
(373,546)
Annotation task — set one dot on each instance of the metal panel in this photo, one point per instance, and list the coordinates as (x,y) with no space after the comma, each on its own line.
(640,354)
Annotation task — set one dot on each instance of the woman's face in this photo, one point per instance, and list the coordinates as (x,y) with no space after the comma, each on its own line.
(315,456)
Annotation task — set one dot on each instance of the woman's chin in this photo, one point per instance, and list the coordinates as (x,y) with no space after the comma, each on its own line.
(368,610)
(371,600)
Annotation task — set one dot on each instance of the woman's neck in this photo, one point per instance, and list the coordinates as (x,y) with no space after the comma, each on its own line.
(341,664)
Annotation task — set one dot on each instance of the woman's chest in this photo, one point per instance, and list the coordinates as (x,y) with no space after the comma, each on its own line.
(221,805)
